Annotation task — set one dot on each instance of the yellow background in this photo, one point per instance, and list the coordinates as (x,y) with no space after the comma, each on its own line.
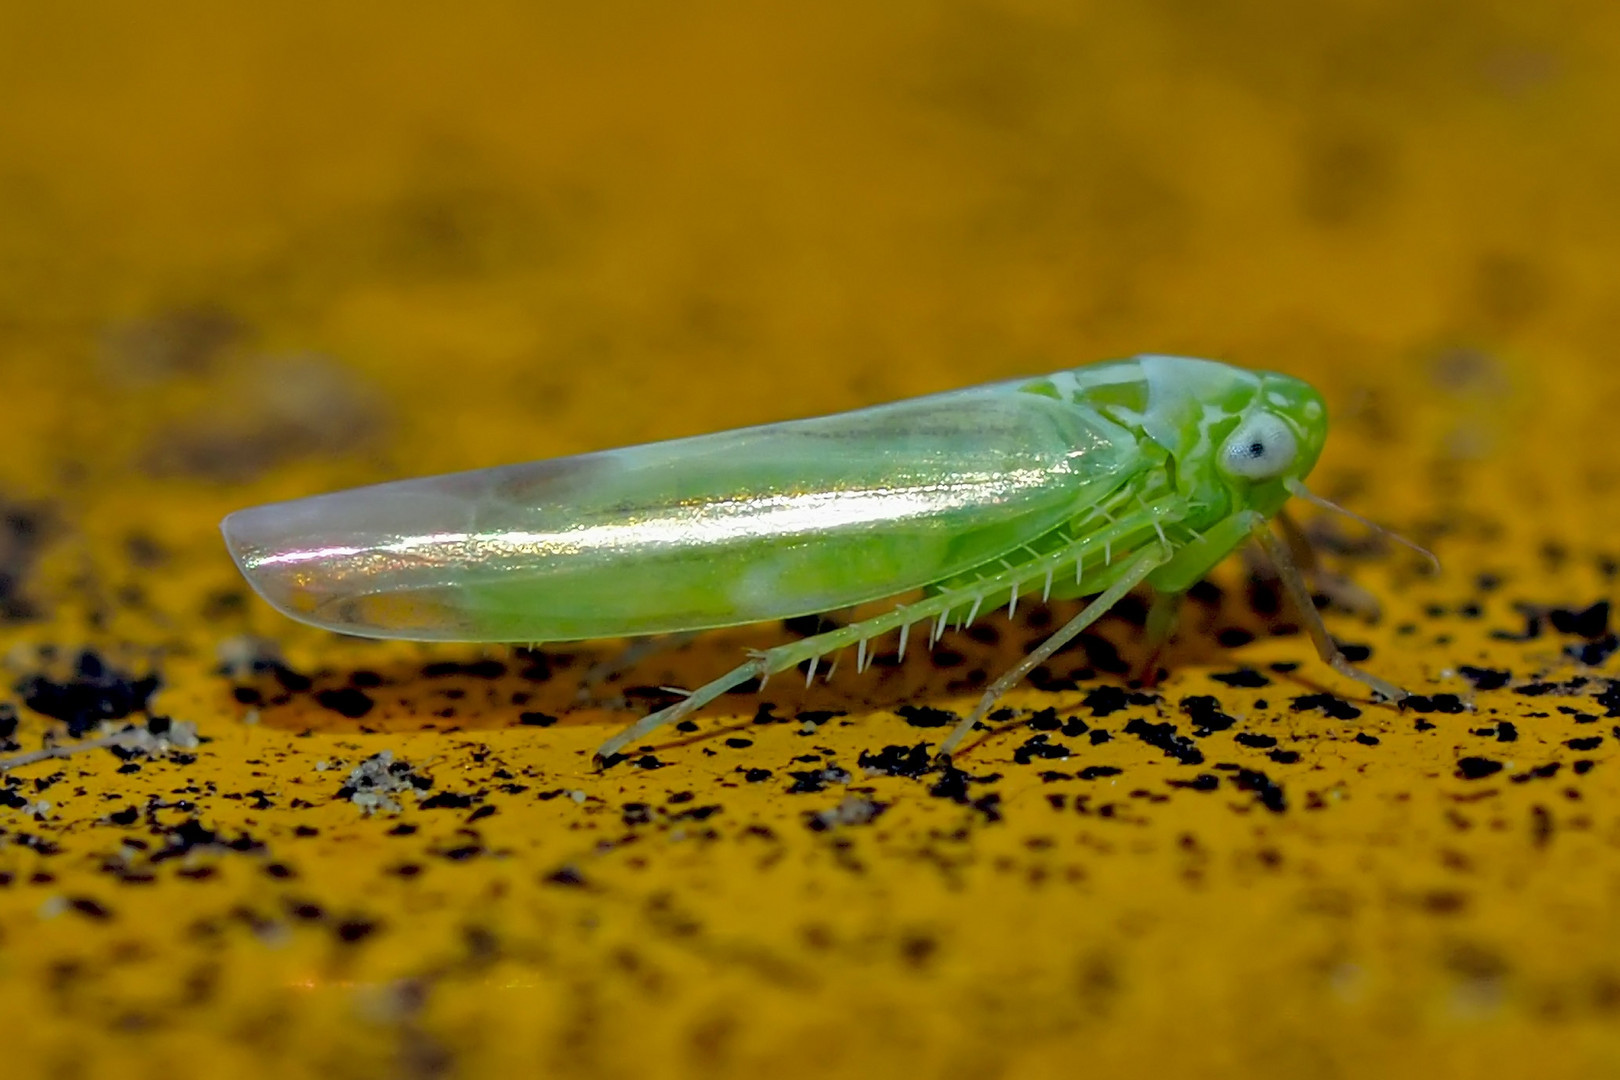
(249,252)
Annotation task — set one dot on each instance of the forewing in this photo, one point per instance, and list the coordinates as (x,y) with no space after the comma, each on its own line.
(736,527)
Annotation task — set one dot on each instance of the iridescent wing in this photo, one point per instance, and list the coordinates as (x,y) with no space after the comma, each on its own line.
(741,526)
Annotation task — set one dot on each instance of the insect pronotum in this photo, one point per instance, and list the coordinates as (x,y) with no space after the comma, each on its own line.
(1087,482)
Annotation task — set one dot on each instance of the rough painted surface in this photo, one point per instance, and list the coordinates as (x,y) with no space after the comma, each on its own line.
(249,257)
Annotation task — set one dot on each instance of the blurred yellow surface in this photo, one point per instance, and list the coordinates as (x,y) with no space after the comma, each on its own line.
(253,252)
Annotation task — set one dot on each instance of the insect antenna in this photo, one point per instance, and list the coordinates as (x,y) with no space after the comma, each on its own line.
(1300,491)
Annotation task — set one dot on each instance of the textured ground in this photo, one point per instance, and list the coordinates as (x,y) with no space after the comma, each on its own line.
(246,257)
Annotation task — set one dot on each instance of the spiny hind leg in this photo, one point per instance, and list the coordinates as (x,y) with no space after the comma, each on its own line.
(762,665)
(1326,647)
(1134,575)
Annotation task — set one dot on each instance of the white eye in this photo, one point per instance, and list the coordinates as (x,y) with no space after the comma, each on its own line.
(1262,448)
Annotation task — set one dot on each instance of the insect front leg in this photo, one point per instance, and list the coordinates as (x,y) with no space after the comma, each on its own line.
(1326,647)
(1339,589)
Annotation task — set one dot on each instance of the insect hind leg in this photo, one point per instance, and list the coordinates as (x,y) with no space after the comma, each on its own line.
(762,665)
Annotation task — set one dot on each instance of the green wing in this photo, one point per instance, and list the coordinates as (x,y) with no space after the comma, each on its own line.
(741,526)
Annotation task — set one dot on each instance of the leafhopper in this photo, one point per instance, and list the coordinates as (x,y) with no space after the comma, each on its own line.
(1086,482)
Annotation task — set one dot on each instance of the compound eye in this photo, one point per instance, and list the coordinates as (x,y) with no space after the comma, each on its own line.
(1262,448)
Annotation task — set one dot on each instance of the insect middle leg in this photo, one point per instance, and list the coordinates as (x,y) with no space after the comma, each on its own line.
(598,674)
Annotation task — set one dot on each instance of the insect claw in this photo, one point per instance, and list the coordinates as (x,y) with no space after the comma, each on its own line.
(905,631)
(810,676)
(1046,593)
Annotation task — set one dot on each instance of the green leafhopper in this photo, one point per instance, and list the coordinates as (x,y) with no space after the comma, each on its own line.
(1086,482)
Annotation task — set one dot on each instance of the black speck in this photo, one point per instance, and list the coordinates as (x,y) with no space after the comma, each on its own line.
(648,762)
(536,719)
(347,701)
(1366,740)
(1163,737)
(96,691)
(1234,637)
(1477,768)
(1045,720)
(1330,705)
(894,760)
(567,876)
(1098,736)
(1098,772)
(1271,793)
(446,800)
(1541,826)
(1204,710)
(813,780)
(1243,677)
(925,717)
(1589,622)
(755,776)
(1284,757)
(1038,746)
(1583,766)
(1201,782)
(90,909)
(1257,742)
(1593,653)
(1355,653)
(1434,703)
(739,743)
(291,681)
(1107,700)
(1610,698)
(350,931)
(1591,742)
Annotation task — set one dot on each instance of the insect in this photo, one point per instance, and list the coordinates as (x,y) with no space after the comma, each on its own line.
(1086,482)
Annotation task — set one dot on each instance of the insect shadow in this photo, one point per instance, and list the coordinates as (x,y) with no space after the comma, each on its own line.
(482,688)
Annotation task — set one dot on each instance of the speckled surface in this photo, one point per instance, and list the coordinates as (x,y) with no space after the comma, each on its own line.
(247,257)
